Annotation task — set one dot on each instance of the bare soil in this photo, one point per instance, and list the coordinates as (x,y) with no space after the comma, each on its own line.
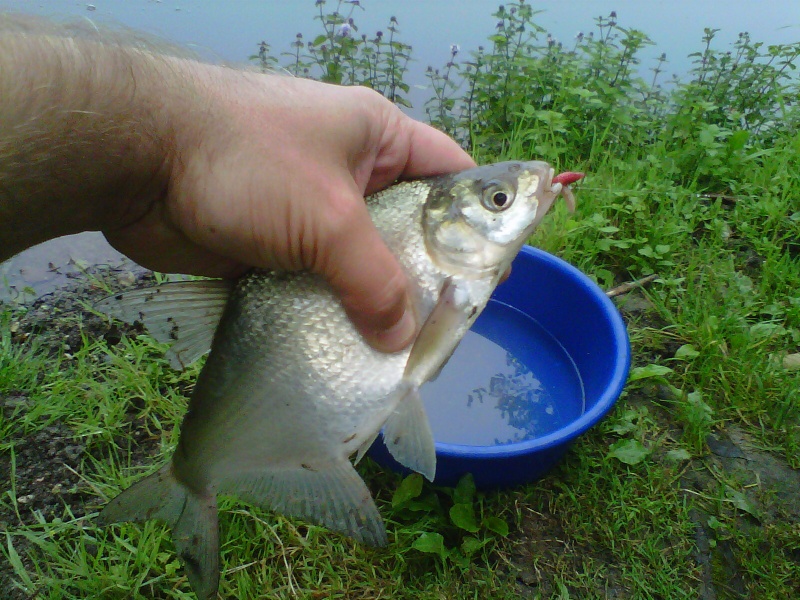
(45,464)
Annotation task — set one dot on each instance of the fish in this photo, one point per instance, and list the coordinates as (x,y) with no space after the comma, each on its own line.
(290,391)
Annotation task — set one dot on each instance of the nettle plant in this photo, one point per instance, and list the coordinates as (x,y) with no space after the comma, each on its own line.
(453,524)
(583,102)
(733,107)
(341,55)
(563,100)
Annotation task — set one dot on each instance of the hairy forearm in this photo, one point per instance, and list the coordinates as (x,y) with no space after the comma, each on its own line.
(85,138)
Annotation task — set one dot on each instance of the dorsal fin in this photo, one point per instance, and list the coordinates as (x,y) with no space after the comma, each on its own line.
(184,314)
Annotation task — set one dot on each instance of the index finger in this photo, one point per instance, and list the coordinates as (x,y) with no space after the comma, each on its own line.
(416,150)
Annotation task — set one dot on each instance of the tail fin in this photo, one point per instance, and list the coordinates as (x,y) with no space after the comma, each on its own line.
(193,519)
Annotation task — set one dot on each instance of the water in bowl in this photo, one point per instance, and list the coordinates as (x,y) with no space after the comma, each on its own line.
(508,381)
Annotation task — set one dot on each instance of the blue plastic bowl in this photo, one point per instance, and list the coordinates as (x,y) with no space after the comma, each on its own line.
(580,345)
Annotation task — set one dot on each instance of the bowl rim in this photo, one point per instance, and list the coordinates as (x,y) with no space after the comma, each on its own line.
(617,379)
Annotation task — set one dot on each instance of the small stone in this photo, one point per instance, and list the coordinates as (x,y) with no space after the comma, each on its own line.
(528,576)
(791,362)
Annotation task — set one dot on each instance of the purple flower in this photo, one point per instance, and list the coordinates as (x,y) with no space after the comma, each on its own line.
(454,49)
(345,30)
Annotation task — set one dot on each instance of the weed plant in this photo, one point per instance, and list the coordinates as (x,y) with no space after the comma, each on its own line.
(696,180)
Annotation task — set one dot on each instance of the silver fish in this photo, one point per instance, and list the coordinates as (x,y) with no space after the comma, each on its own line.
(291,391)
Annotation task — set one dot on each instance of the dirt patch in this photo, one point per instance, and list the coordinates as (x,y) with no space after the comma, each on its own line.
(542,548)
(43,468)
(757,490)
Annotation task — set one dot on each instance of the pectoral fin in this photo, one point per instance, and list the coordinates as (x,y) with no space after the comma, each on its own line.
(408,436)
(440,334)
(184,314)
(407,432)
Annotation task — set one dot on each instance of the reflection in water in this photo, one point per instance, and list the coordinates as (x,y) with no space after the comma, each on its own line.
(518,396)
(508,381)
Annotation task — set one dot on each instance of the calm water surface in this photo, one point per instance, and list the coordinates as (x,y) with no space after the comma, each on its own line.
(508,381)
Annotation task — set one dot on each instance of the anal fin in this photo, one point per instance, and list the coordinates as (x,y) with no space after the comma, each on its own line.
(332,495)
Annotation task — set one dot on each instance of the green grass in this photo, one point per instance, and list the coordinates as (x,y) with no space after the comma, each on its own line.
(644,506)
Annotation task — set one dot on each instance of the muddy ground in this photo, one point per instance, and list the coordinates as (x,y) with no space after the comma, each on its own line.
(46,465)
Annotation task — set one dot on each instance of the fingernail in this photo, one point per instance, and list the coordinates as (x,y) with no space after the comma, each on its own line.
(398,336)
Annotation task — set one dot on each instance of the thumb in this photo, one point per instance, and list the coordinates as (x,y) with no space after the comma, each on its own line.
(366,276)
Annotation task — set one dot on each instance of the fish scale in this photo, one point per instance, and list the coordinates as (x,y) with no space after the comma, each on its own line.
(291,391)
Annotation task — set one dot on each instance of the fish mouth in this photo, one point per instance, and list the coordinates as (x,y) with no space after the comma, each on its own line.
(560,186)
(555,186)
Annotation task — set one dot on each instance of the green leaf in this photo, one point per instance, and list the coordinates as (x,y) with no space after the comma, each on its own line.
(623,427)
(471,545)
(432,543)
(686,352)
(741,502)
(737,140)
(766,329)
(648,372)
(496,525)
(458,558)
(409,488)
(463,516)
(320,39)
(16,563)
(678,455)
(697,410)
(464,492)
(630,452)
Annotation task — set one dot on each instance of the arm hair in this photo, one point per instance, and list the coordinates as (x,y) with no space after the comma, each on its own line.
(86,127)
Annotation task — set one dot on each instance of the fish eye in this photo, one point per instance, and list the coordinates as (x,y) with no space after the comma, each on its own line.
(497,197)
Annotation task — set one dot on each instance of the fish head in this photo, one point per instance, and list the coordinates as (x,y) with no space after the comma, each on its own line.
(476,221)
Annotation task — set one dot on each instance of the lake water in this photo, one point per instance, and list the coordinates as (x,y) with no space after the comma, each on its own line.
(508,381)
(231,31)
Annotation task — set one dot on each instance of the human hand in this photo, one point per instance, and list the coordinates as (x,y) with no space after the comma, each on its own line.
(270,171)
